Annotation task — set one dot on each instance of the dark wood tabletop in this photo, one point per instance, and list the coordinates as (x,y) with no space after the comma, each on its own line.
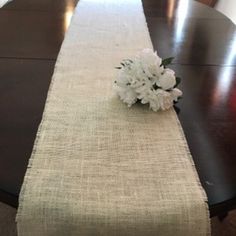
(203,42)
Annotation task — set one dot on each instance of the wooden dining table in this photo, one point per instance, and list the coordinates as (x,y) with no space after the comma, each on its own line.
(203,42)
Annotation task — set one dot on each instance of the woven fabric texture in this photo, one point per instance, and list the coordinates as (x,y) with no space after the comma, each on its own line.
(98,167)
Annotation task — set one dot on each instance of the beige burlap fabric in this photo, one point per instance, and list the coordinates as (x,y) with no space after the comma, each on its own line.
(98,167)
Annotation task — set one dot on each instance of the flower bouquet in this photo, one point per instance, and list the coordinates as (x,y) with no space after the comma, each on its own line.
(147,79)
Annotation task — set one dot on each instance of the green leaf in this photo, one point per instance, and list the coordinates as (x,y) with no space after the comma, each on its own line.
(178,80)
(167,61)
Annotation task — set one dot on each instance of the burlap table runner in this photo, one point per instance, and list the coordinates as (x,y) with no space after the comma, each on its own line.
(98,167)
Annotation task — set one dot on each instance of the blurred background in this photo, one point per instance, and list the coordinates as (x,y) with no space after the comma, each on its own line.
(227,7)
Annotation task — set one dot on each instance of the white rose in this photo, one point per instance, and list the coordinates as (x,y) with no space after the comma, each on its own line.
(167,102)
(167,79)
(127,95)
(158,99)
(175,93)
(165,99)
(123,79)
(151,64)
(153,100)
(148,57)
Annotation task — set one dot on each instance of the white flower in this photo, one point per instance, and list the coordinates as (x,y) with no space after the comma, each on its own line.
(167,79)
(175,94)
(166,101)
(158,100)
(127,95)
(151,64)
(145,79)
(149,58)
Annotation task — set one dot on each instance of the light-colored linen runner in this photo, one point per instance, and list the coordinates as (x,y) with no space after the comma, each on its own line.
(98,167)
